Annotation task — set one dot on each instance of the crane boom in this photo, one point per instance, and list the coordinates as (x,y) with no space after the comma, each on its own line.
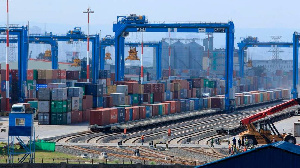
(270,111)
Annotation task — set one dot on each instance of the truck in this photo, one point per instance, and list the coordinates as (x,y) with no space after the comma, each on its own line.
(267,132)
(22,108)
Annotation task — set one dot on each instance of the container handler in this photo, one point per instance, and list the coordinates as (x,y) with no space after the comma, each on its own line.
(267,132)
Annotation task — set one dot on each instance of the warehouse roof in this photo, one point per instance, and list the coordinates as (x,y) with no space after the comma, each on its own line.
(282,145)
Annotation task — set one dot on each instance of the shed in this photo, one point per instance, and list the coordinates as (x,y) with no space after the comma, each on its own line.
(278,154)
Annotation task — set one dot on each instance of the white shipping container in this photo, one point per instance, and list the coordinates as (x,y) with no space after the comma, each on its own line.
(75,103)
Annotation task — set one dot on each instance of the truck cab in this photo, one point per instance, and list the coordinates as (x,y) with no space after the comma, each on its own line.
(22,108)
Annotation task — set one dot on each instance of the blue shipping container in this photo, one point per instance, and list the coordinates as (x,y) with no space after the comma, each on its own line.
(121,114)
(182,105)
(131,114)
(200,103)
(148,111)
(97,102)
(205,103)
(196,103)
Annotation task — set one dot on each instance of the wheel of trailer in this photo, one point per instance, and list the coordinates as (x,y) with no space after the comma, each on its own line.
(290,139)
(251,140)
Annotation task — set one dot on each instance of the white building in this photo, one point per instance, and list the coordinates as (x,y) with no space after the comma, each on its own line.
(273,65)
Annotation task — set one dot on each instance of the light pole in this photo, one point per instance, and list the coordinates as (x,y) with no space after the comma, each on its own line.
(142,68)
(88,11)
(6,61)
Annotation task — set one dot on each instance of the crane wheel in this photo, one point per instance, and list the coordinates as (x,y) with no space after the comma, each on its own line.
(290,139)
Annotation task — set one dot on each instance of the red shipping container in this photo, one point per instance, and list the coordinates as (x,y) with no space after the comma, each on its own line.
(178,106)
(113,115)
(158,97)
(108,82)
(155,108)
(149,88)
(194,91)
(173,106)
(133,87)
(112,76)
(176,95)
(110,101)
(14,74)
(166,106)
(100,117)
(30,74)
(189,94)
(3,74)
(55,74)
(142,111)
(62,74)
(76,116)
(135,113)
(86,115)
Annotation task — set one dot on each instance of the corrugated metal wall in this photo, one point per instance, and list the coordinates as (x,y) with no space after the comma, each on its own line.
(266,158)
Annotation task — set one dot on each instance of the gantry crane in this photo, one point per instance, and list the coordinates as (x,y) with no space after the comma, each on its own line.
(108,40)
(253,42)
(23,46)
(135,23)
(77,35)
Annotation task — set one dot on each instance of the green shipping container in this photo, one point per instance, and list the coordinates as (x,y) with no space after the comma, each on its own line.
(245,100)
(151,98)
(160,110)
(35,74)
(211,84)
(61,118)
(163,110)
(135,98)
(65,106)
(59,106)
(43,145)
(205,82)
(53,119)
(33,104)
(30,85)
(53,107)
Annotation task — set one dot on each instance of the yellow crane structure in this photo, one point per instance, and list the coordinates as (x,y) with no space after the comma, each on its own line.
(107,56)
(48,53)
(132,54)
(76,62)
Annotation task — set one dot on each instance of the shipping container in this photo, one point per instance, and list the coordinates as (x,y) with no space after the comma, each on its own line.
(142,112)
(121,114)
(44,106)
(113,115)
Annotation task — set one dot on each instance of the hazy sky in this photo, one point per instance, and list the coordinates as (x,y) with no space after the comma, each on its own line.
(261,18)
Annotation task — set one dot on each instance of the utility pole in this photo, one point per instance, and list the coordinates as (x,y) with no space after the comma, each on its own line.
(142,68)
(88,11)
(6,61)
(169,54)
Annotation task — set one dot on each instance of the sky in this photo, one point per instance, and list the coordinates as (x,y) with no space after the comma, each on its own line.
(251,17)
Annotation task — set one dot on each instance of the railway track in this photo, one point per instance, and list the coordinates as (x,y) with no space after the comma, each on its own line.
(180,129)
(131,157)
(69,138)
(204,152)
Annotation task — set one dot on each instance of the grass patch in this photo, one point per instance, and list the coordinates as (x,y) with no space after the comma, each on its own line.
(47,157)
